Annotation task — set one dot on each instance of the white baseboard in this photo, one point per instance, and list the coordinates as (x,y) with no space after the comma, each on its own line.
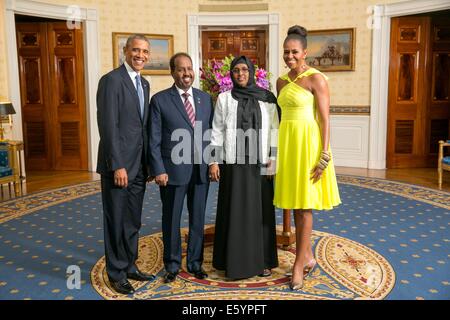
(350,163)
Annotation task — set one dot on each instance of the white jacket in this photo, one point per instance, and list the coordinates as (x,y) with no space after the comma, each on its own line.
(224,128)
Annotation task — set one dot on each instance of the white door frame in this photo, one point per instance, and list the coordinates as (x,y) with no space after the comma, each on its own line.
(91,62)
(380,70)
(195,21)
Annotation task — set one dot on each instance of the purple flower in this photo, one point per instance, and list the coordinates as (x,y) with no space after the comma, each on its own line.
(226,83)
(263,83)
(261,73)
(215,77)
(217,65)
(218,76)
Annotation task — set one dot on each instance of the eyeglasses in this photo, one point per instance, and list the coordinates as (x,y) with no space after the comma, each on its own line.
(237,71)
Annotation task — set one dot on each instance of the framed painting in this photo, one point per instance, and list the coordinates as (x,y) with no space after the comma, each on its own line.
(249,44)
(331,50)
(161,49)
(217,45)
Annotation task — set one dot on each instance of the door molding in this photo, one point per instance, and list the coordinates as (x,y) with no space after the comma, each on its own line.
(91,64)
(195,21)
(382,15)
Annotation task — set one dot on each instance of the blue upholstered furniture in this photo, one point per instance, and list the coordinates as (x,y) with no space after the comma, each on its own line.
(443,162)
(9,166)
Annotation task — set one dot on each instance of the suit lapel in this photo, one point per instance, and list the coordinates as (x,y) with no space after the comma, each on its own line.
(129,84)
(179,104)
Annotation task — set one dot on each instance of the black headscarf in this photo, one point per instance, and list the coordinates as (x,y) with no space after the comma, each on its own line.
(248,112)
(251,91)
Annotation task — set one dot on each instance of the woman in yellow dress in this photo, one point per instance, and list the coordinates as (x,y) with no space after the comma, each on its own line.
(305,177)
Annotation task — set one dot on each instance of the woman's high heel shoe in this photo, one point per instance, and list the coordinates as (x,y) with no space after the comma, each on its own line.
(296,285)
(308,269)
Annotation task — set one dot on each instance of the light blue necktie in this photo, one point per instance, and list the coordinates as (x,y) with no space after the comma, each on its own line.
(140,93)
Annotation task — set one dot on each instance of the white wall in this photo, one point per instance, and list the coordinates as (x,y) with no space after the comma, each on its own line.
(350,140)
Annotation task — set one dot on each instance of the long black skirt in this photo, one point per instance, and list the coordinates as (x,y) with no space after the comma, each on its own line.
(245,235)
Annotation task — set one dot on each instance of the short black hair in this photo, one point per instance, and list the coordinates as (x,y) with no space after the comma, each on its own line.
(175,56)
(136,36)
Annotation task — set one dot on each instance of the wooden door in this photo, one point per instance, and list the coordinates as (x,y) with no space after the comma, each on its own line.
(68,97)
(407,92)
(219,44)
(438,117)
(53,96)
(34,88)
(419,85)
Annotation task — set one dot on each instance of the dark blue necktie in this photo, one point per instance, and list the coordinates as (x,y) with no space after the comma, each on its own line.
(140,93)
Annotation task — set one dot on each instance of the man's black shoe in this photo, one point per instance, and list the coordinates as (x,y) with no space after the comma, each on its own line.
(170,277)
(140,276)
(199,274)
(122,286)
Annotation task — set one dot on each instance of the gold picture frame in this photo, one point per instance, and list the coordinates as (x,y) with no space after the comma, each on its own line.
(331,50)
(5,119)
(161,49)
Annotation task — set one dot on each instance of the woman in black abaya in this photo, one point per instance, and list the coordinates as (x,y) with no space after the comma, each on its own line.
(244,133)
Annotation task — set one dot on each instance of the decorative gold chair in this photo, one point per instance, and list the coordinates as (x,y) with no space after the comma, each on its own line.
(443,162)
(9,166)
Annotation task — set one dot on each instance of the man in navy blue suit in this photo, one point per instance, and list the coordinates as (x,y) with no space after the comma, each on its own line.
(122,117)
(176,113)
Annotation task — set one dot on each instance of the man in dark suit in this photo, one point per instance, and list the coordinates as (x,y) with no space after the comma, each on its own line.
(179,112)
(122,117)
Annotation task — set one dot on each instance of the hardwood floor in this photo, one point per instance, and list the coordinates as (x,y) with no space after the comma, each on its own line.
(426,177)
(37,181)
(46,180)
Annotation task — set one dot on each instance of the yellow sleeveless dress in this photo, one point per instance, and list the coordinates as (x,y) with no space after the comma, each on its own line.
(299,148)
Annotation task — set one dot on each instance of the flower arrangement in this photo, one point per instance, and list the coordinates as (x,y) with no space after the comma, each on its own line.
(215,78)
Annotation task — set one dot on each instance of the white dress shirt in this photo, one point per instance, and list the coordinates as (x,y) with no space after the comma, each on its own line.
(131,73)
(191,96)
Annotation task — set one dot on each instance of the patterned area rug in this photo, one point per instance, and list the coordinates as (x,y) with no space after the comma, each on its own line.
(348,270)
(387,240)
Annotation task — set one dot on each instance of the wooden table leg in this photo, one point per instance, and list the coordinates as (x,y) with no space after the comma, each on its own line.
(285,238)
(286,222)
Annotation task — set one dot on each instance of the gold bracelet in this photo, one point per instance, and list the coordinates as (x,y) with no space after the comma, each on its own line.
(323,164)
(325,155)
